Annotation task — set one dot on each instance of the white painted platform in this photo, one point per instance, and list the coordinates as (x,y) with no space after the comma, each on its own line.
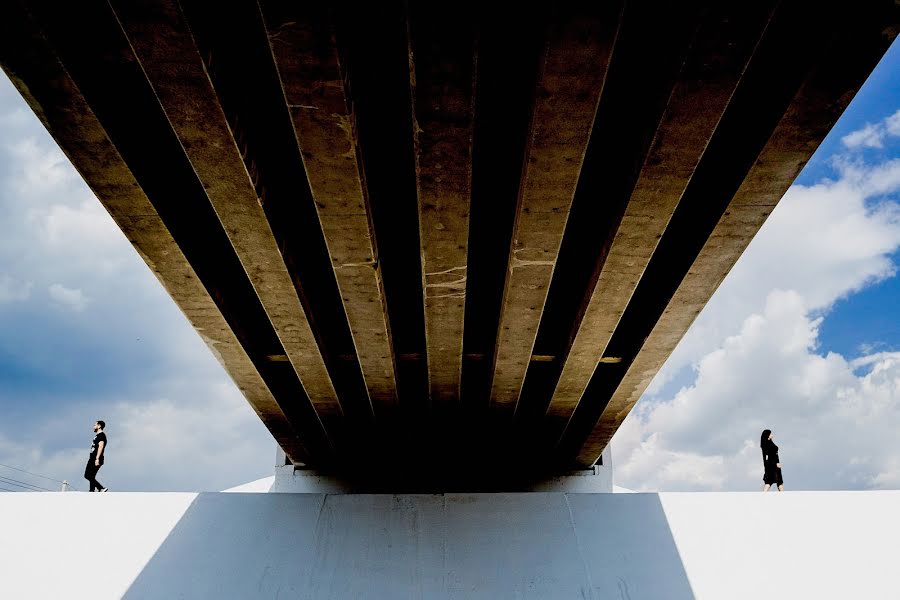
(795,545)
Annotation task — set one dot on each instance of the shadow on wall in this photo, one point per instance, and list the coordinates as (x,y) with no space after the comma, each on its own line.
(418,546)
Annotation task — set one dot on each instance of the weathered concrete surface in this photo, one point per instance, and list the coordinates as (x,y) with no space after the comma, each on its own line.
(175,69)
(572,74)
(224,141)
(442,64)
(540,545)
(718,57)
(303,44)
(39,76)
(833,78)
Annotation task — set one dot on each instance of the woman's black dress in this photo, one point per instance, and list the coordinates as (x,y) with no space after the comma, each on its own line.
(772,475)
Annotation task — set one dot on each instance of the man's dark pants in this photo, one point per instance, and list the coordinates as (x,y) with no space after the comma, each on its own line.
(90,473)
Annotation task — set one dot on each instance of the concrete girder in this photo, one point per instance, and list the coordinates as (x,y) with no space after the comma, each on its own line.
(306,55)
(238,60)
(442,64)
(654,42)
(713,67)
(604,210)
(37,71)
(162,42)
(572,75)
(838,51)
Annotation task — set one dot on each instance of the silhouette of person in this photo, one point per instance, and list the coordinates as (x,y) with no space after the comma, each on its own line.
(771,462)
(95,460)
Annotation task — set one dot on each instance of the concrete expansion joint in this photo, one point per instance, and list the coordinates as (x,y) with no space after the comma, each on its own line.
(459,294)
(516,263)
(454,288)
(445,271)
(366,263)
(461,281)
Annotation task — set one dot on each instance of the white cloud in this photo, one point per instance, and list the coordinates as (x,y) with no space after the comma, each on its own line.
(835,428)
(70,298)
(824,241)
(60,465)
(752,359)
(892,124)
(41,167)
(867,137)
(872,135)
(15,118)
(62,225)
(174,441)
(82,236)
(873,359)
(207,439)
(13,290)
(176,421)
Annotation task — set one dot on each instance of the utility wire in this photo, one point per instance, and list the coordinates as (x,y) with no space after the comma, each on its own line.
(30,473)
(7,489)
(27,489)
(23,484)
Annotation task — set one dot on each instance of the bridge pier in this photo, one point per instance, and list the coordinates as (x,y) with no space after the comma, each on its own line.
(300,480)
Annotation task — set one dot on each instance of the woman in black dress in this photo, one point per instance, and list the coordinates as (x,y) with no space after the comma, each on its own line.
(771,462)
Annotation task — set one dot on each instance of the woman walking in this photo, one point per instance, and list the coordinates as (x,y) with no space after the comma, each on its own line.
(771,462)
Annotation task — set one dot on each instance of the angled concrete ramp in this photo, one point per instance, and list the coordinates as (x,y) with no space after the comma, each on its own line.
(453,238)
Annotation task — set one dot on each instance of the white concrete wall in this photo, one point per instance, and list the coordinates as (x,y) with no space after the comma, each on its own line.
(795,545)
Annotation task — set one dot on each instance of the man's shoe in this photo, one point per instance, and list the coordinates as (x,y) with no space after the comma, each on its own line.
(104,490)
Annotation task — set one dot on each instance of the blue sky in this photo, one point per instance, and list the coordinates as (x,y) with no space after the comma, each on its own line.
(802,337)
(87,332)
(871,316)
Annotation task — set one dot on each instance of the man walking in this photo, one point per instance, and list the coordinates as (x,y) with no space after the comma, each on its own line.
(95,460)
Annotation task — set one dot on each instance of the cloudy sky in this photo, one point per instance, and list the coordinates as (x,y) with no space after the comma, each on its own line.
(803,338)
(87,332)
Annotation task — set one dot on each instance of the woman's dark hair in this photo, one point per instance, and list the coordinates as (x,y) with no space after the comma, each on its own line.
(764,438)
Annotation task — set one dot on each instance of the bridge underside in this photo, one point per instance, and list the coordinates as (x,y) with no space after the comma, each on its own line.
(467,239)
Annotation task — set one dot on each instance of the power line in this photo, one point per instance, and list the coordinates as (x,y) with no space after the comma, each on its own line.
(7,489)
(23,484)
(30,473)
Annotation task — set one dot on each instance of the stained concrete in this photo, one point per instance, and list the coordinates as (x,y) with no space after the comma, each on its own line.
(313,78)
(708,78)
(442,63)
(174,67)
(34,68)
(829,82)
(572,74)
